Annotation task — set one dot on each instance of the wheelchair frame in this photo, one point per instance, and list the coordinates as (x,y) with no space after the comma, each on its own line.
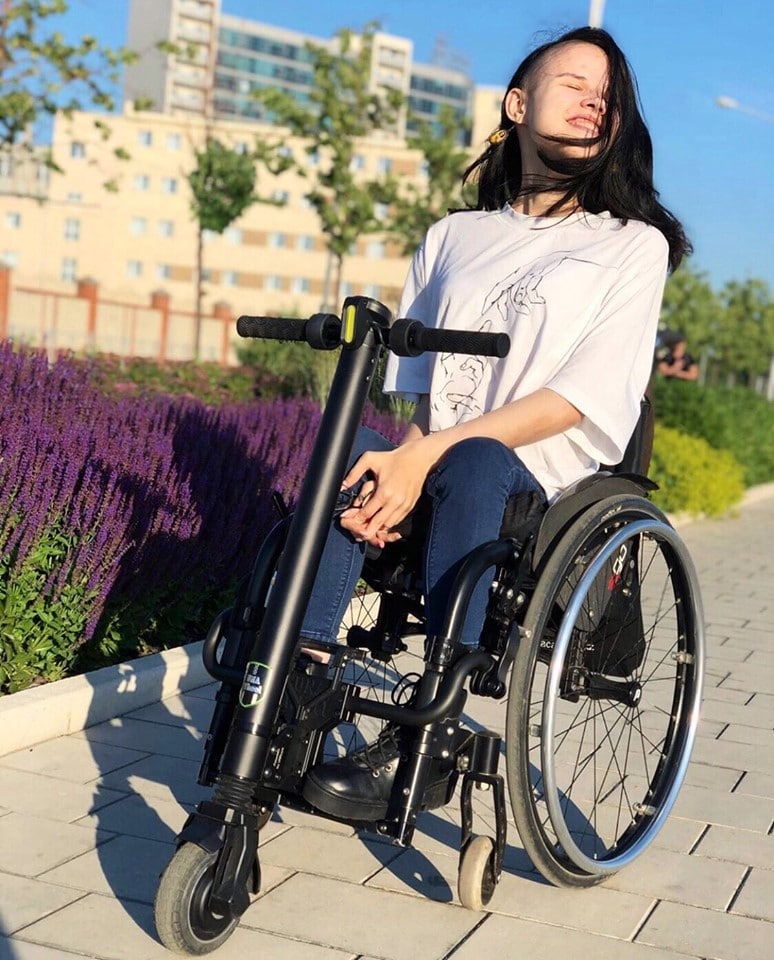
(276,706)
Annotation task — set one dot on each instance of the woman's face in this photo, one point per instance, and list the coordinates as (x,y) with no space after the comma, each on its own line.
(564,97)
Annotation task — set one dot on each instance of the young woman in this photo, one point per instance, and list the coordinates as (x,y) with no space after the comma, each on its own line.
(567,252)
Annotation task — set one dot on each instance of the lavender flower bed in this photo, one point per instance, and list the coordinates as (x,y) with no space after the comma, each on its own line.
(152,491)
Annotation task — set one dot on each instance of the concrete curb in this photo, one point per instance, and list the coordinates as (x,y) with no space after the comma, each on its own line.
(66,706)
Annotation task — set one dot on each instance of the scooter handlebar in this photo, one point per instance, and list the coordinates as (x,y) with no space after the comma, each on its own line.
(272,328)
(409,338)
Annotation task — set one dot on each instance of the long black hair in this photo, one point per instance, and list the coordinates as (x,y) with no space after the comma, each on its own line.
(619,178)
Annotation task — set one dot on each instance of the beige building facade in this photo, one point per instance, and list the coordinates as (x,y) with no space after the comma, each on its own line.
(140,239)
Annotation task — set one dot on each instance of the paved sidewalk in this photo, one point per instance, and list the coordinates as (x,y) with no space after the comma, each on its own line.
(88,821)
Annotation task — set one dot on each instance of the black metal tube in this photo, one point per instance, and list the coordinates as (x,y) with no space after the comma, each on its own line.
(487,555)
(247,746)
(438,709)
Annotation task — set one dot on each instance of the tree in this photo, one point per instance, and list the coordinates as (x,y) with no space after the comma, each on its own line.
(42,75)
(745,342)
(341,109)
(692,306)
(418,206)
(222,188)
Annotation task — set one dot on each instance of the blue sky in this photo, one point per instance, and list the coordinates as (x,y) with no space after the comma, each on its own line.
(714,166)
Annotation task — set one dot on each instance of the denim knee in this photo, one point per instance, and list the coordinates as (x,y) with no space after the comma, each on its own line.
(367,439)
(475,463)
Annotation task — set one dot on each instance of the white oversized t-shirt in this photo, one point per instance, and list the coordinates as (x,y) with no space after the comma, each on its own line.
(579,298)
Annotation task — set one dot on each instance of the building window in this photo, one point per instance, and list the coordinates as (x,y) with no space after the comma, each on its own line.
(280,196)
(304,242)
(229,278)
(133,268)
(77,150)
(145,138)
(347,289)
(381,211)
(163,271)
(6,166)
(375,250)
(272,282)
(75,197)
(206,275)
(208,236)
(72,229)
(306,203)
(371,290)
(384,165)
(142,182)
(9,258)
(168,185)
(166,228)
(358,162)
(173,141)
(13,220)
(233,236)
(138,226)
(69,269)
(277,240)
(300,285)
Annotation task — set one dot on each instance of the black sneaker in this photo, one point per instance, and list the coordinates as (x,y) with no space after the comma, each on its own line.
(358,786)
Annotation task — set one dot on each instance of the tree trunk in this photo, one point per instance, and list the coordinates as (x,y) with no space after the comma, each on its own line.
(337,283)
(199,292)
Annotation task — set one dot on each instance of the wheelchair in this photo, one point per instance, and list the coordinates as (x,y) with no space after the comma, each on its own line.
(593,643)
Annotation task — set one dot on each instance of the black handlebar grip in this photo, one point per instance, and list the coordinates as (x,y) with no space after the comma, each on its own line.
(420,338)
(272,328)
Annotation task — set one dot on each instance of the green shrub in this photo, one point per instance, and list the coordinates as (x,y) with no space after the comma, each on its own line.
(693,477)
(41,627)
(728,418)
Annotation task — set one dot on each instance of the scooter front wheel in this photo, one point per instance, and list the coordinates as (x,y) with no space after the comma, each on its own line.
(184,921)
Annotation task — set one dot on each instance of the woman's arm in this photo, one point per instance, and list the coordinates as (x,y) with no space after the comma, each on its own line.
(400,474)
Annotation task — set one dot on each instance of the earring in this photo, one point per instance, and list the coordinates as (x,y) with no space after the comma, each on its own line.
(497,136)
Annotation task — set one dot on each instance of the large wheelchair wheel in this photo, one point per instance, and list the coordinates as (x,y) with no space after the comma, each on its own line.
(605,692)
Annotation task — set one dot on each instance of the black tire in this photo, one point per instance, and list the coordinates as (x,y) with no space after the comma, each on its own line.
(184,921)
(476,880)
(605,692)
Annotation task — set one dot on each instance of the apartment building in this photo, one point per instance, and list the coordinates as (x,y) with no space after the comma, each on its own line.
(60,228)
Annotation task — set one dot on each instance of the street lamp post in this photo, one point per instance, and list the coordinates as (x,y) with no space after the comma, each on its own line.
(596,12)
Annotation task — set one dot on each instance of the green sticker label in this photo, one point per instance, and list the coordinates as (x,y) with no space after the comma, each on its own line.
(253,684)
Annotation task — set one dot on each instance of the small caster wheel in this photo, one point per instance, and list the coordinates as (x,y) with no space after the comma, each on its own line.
(476,881)
(184,921)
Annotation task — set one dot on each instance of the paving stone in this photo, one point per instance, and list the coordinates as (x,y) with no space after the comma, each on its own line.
(756,898)
(158,777)
(25,900)
(714,778)
(748,715)
(757,785)
(665,875)
(135,816)
(50,797)
(735,756)
(184,742)
(509,938)
(101,927)
(186,710)
(71,758)
(728,809)
(360,919)
(32,845)
(328,855)
(124,867)
(757,736)
(740,846)
(707,933)
(19,950)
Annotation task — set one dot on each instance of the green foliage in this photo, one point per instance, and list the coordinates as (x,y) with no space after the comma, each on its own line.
(692,476)
(40,628)
(728,418)
(418,206)
(732,332)
(222,185)
(341,108)
(42,74)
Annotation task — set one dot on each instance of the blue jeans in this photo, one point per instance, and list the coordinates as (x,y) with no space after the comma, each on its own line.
(468,491)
